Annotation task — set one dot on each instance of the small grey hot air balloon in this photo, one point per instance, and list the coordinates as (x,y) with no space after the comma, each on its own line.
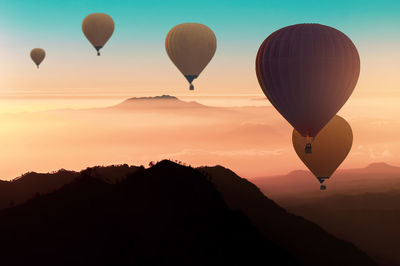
(37,55)
(191,47)
(98,28)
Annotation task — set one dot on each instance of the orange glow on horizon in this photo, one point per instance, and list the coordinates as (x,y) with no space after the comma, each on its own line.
(251,141)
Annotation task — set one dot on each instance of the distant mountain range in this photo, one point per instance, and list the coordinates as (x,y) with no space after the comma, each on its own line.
(360,205)
(376,177)
(251,140)
(166,214)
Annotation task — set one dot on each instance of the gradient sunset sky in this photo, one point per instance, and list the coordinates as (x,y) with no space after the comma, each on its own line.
(135,61)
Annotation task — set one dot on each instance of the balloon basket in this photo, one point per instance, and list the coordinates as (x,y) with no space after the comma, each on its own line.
(308,148)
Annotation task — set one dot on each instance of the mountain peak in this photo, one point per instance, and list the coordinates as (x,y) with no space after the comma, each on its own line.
(161,97)
(175,213)
(156,102)
(381,166)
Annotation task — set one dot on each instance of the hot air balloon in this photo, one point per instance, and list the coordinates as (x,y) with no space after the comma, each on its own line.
(330,148)
(307,71)
(37,55)
(98,28)
(191,47)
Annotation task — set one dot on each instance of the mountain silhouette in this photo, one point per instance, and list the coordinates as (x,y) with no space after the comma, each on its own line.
(369,220)
(307,242)
(160,97)
(375,178)
(381,167)
(31,184)
(360,206)
(157,102)
(166,214)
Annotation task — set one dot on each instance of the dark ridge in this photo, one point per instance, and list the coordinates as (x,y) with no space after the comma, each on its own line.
(307,242)
(168,214)
(30,184)
(370,220)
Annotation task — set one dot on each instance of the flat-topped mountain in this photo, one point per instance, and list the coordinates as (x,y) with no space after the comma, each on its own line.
(163,102)
(161,97)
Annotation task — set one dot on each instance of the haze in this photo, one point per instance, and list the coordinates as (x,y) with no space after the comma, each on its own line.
(254,141)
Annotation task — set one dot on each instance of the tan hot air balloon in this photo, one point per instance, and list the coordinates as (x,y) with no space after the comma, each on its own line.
(330,148)
(191,47)
(37,55)
(98,28)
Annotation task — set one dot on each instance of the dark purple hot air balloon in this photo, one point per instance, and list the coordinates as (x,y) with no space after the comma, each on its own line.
(308,71)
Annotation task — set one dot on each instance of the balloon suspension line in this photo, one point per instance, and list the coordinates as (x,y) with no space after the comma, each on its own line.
(37,66)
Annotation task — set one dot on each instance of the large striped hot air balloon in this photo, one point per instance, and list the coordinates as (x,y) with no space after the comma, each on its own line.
(191,47)
(307,71)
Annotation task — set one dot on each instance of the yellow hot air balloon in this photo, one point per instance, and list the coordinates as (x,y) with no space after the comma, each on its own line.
(191,47)
(37,55)
(330,148)
(98,28)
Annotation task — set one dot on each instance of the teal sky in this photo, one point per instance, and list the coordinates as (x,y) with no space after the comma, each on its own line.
(233,20)
(141,26)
